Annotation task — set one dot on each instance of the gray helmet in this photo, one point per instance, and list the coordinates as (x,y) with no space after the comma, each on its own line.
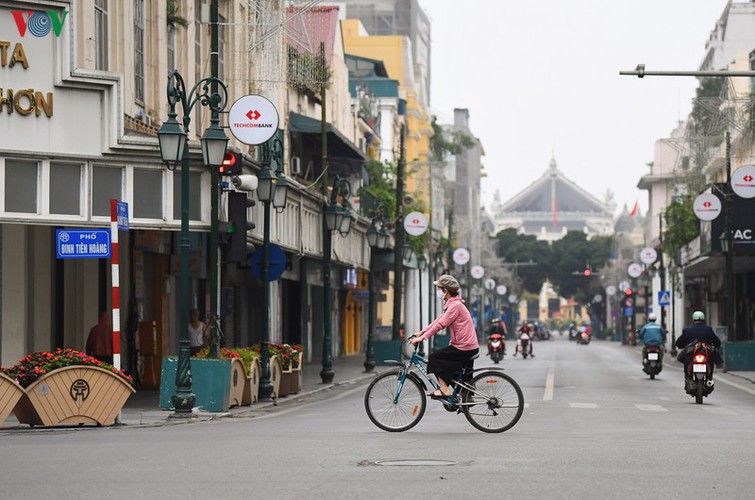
(698,316)
(652,317)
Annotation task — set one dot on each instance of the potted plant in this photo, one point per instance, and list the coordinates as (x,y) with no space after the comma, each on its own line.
(10,394)
(69,387)
(291,376)
(275,366)
(253,369)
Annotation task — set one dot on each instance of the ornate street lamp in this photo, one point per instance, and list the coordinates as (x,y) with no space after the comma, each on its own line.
(408,252)
(174,148)
(334,215)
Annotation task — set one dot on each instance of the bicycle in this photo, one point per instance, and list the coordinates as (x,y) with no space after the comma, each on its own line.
(490,400)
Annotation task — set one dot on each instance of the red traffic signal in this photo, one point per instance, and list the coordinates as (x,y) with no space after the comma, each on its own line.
(587,273)
(231,163)
(628,292)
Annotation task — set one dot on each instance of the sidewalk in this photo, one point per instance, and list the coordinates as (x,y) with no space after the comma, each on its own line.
(143,408)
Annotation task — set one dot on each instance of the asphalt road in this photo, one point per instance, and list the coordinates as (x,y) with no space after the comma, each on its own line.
(595,426)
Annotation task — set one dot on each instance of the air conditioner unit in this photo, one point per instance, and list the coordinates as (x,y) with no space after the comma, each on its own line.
(295,165)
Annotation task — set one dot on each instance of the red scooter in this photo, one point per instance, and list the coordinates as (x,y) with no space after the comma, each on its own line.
(699,375)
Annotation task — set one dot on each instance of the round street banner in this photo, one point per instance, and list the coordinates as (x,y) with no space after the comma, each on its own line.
(501,289)
(707,206)
(743,181)
(253,119)
(489,284)
(461,256)
(610,290)
(415,223)
(648,255)
(634,270)
(477,272)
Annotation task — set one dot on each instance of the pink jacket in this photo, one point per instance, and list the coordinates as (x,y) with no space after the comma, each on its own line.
(456,316)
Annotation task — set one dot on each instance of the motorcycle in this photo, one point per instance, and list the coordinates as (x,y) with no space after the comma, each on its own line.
(699,375)
(652,361)
(523,346)
(496,347)
(583,338)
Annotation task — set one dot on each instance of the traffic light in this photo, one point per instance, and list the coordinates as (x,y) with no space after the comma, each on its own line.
(232,162)
(587,273)
(628,292)
(234,231)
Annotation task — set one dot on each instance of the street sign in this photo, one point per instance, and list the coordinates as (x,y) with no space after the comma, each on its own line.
(122,216)
(664,298)
(489,284)
(415,223)
(461,256)
(501,289)
(82,243)
(634,270)
(627,311)
(513,299)
(648,255)
(707,206)
(743,181)
(253,119)
(276,259)
(477,272)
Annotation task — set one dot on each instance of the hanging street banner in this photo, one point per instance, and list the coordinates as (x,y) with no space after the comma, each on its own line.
(489,284)
(634,270)
(610,290)
(501,289)
(707,206)
(461,256)
(253,119)
(415,223)
(82,243)
(477,272)
(743,181)
(648,255)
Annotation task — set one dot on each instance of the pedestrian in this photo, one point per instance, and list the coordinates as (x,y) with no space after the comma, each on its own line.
(100,340)
(197,330)
(463,344)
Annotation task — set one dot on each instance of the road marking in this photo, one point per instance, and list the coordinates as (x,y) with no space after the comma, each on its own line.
(651,408)
(583,405)
(548,394)
(718,410)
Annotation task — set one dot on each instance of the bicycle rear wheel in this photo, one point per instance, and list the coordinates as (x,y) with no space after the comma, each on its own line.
(405,412)
(496,404)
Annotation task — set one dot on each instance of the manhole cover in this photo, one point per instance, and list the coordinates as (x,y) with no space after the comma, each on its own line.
(414,463)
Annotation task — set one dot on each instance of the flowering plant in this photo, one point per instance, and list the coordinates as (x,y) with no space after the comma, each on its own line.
(225,353)
(37,364)
(288,354)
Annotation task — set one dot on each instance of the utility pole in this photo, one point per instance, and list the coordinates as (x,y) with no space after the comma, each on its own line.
(398,258)
(214,275)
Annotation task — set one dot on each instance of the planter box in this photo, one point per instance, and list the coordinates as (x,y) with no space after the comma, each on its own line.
(10,394)
(291,379)
(74,395)
(275,376)
(252,385)
(238,381)
(211,383)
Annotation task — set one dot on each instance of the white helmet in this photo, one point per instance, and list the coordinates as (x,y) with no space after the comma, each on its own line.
(652,317)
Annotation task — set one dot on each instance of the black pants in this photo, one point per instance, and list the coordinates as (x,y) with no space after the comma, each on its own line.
(449,360)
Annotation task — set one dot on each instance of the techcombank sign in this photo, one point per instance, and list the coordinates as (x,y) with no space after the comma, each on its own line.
(253,119)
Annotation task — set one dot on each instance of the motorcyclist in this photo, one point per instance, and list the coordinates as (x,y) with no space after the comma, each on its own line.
(525,333)
(699,332)
(652,334)
(498,328)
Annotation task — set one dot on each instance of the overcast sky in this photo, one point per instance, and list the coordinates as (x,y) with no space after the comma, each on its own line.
(542,77)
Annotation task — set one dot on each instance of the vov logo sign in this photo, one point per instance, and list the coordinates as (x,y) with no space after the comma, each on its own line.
(39,24)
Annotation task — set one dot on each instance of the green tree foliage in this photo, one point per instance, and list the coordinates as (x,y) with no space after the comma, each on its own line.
(440,144)
(515,248)
(380,191)
(682,226)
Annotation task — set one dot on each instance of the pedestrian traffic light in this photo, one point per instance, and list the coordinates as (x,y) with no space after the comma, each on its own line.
(232,162)
(237,227)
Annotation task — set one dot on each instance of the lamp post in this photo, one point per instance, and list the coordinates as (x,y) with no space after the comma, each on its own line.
(727,244)
(337,218)
(377,239)
(271,189)
(662,276)
(421,266)
(174,149)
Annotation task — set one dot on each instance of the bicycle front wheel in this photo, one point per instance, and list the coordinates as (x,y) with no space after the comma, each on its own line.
(395,405)
(496,404)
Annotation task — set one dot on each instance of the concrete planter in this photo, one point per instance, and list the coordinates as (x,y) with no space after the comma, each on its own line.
(74,395)
(10,394)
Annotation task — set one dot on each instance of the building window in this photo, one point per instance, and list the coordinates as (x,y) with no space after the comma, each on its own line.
(139,51)
(21,184)
(198,53)
(106,184)
(65,189)
(101,34)
(195,195)
(149,185)
(171,47)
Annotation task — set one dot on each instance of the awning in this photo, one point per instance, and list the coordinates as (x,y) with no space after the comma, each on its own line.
(339,147)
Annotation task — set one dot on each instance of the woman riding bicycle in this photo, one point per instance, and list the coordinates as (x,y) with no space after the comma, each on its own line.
(463,345)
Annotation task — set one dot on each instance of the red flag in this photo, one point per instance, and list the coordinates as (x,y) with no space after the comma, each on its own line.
(555,214)
(633,212)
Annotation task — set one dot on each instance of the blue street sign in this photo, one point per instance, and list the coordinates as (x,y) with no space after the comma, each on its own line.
(664,298)
(122,216)
(276,259)
(627,311)
(82,243)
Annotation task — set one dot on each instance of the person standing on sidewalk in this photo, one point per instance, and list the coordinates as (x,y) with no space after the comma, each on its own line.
(463,345)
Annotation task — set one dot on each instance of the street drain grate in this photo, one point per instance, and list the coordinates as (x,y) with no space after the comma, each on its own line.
(411,463)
